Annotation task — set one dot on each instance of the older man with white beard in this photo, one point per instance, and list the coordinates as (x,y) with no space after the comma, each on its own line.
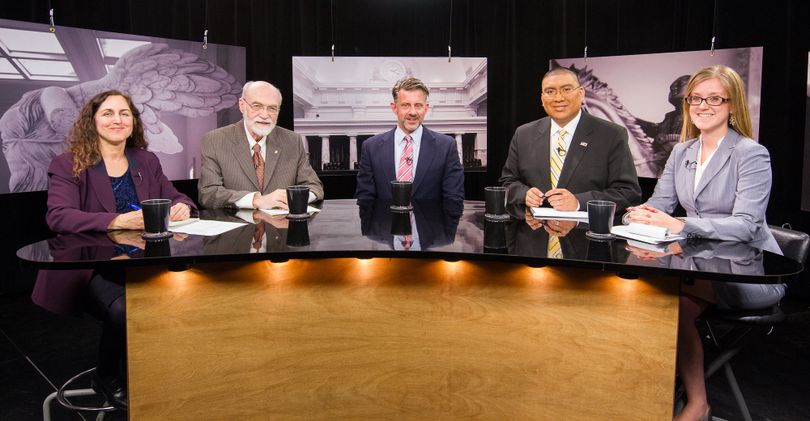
(249,164)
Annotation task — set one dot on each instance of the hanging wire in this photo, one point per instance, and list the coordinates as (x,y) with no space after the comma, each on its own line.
(50,18)
(714,29)
(450,35)
(586,32)
(332,25)
(205,33)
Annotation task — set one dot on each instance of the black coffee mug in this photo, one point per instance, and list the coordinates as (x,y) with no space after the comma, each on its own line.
(156,218)
(401,195)
(495,203)
(600,219)
(297,201)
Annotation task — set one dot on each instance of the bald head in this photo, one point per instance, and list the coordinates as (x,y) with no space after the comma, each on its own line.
(260,85)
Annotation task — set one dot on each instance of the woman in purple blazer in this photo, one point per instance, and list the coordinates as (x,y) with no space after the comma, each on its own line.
(96,186)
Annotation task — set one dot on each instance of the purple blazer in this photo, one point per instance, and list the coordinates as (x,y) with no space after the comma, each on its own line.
(87,203)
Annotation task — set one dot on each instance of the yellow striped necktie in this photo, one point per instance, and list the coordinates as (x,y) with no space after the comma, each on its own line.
(557,157)
(554,247)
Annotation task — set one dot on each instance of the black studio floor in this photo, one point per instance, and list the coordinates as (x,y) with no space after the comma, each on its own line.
(39,350)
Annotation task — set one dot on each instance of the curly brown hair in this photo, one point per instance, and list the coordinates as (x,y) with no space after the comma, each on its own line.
(84,136)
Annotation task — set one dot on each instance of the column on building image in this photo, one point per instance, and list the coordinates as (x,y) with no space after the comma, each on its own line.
(459,147)
(325,159)
(481,148)
(352,150)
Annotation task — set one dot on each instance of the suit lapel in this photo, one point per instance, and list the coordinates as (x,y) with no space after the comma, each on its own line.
(686,183)
(240,155)
(271,156)
(427,151)
(136,171)
(102,187)
(543,156)
(388,146)
(576,150)
(718,161)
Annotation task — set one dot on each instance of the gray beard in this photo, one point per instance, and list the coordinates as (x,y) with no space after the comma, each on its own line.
(259,131)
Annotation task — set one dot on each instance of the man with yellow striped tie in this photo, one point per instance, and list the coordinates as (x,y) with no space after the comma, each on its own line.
(570,157)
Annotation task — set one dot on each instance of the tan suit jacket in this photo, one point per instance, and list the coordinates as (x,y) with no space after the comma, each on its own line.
(227,172)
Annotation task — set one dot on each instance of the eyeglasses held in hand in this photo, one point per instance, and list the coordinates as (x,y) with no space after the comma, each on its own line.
(713,100)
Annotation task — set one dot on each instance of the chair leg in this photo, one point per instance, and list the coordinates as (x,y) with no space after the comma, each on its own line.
(735,389)
(46,405)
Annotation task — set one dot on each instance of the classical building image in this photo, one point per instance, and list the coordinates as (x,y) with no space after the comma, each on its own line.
(338,104)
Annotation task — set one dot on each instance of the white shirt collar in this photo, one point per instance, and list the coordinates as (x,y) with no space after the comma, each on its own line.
(570,128)
(416,136)
(251,141)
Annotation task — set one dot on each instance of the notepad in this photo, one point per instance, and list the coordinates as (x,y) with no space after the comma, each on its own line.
(551,213)
(645,233)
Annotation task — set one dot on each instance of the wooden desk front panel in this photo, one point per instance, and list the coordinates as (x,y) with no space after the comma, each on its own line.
(398,339)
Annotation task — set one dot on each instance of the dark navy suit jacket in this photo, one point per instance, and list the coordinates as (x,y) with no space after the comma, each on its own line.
(439,174)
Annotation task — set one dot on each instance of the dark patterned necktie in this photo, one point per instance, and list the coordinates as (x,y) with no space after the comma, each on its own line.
(258,164)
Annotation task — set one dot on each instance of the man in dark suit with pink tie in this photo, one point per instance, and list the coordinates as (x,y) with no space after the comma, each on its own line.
(410,152)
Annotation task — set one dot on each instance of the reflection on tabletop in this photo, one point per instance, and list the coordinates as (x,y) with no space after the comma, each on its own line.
(446,230)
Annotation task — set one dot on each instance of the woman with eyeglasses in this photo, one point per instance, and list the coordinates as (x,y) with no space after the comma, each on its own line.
(722,178)
(97,186)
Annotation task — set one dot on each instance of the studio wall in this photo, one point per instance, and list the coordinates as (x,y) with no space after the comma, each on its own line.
(517,37)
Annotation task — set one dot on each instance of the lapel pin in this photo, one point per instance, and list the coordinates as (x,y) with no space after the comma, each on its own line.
(583,144)
(275,151)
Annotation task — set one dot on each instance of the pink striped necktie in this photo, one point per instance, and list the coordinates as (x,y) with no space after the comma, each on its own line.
(405,170)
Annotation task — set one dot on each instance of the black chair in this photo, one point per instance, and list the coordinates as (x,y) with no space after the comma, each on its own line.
(746,326)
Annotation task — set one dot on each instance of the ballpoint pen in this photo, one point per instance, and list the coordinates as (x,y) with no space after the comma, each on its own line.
(133,206)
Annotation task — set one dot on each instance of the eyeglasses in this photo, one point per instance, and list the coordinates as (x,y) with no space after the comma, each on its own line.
(259,107)
(565,91)
(713,100)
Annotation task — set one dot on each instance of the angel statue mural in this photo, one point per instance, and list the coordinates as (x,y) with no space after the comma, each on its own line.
(158,78)
(650,143)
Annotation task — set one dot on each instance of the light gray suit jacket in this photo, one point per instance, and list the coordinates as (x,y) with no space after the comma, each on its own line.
(730,201)
(227,172)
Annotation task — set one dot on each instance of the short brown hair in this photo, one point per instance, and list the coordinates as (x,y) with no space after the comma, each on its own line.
(409,83)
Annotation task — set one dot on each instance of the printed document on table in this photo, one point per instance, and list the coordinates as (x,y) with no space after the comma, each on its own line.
(551,213)
(207,227)
(275,212)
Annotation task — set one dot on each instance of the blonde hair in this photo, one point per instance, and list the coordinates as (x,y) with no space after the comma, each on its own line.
(739,120)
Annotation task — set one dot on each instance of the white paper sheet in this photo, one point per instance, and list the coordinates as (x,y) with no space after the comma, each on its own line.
(274,212)
(206,227)
(175,224)
(625,232)
(551,213)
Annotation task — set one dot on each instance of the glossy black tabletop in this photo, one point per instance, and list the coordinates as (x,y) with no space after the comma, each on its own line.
(450,231)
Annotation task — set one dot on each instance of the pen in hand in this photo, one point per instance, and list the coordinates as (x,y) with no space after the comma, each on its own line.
(134,206)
